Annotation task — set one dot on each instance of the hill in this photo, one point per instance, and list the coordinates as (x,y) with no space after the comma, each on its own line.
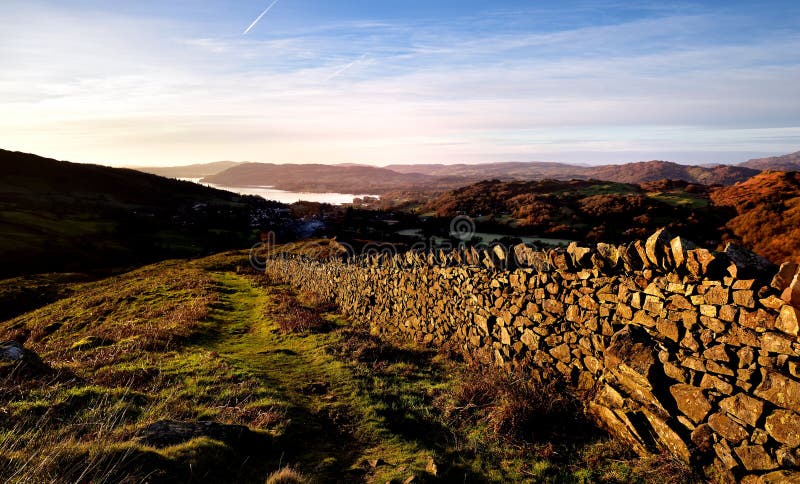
(767,214)
(364,179)
(585,209)
(198,170)
(790,162)
(57,216)
(355,179)
(647,171)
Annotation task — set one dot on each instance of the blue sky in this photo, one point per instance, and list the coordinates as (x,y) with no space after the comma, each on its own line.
(160,82)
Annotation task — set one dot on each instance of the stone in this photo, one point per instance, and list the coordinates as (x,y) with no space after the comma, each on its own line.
(784,426)
(755,458)
(16,360)
(581,256)
(717,296)
(784,276)
(726,427)
(779,389)
(723,451)
(655,247)
(743,407)
(777,343)
(789,320)
(744,298)
(691,401)
(703,438)
(780,477)
(717,353)
(792,293)
(562,352)
(680,248)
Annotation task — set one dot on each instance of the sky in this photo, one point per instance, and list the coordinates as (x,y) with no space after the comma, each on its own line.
(145,82)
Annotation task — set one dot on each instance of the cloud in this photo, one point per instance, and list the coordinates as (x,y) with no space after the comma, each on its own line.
(103,87)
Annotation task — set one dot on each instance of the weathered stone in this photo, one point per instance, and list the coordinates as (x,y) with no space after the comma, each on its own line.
(780,477)
(691,401)
(789,320)
(717,353)
(784,426)
(779,389)
(680,247)
(655,247)
(581,256)
(784,276)
(723,451)
(747,264)
(727,428)
(716,296)
(703,438)
(792,293)
(562,352)
(744,298)
(755,458)
(777,343)
(743,407)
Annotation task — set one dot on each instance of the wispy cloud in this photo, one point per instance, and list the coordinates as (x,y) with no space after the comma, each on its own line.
(107,87)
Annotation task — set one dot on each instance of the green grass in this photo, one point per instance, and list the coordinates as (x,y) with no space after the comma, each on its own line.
(680,199)
(199,341)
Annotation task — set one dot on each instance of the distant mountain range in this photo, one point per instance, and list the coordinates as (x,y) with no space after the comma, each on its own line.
(367,179)
(790,162)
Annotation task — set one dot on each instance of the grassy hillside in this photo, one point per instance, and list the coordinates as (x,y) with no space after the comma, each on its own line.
(193,371)
(767,214)
(586,210)
(57,216)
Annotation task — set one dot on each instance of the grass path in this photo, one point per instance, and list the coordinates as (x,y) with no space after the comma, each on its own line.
(336,425)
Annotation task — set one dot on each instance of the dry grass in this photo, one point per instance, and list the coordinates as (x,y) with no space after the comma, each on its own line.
(292,317)
(286,475)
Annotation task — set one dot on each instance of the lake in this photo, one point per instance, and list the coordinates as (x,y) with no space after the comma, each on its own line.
(284,196)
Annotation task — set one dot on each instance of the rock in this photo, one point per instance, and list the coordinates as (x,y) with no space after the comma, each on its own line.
(789,320)
(581,256)
(691,401)
(166,433)
(727,428)
(784,426)
(632,347)
(755,458)
(779,389)
(743,407)
(703,438)
(792,293)
(680,248)
(780,477)
(15,359)
(784,276)
(656,247)
(717,296)
(701,262)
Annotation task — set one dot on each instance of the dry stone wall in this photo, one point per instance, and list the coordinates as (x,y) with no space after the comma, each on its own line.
(672,347)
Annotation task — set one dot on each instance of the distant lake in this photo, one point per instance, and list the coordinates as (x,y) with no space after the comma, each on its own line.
(284,196)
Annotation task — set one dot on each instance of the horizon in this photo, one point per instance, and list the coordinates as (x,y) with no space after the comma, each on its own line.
(304,81)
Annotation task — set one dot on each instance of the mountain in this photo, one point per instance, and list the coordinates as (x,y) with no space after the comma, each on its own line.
(61,216)
(790,162)
(366,179)
(188,171)
(356,179)
(646,171)
(767,217)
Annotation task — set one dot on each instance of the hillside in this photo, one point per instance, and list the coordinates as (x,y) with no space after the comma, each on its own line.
(60,216)
(197,170)
(366,180)
(355,179)
(585,209)
(190,371)
(790,162)
(646,171)
(767,214)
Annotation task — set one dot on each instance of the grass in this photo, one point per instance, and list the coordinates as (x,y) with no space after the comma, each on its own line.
(324,400)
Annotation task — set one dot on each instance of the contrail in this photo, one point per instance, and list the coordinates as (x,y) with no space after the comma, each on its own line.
(348,66)
(259,17)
